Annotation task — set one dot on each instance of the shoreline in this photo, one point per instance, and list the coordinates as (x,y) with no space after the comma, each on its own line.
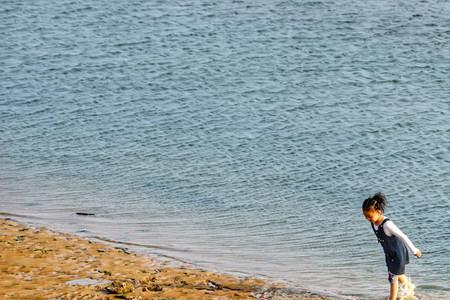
(38,263)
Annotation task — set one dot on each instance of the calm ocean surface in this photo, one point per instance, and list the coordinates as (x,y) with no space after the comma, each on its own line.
(240,136)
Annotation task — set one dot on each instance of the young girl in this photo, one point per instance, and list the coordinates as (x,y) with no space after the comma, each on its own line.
(393,241)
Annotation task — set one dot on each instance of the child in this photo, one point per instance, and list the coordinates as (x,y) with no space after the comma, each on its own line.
(393,241)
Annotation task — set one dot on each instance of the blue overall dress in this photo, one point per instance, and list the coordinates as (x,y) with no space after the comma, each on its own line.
(395,251)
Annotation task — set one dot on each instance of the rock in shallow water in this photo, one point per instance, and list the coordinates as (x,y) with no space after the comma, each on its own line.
(122,286)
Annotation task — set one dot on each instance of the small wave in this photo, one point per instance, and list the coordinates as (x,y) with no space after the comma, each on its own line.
(148,246)
(6,214)
(137,244)
(433,287)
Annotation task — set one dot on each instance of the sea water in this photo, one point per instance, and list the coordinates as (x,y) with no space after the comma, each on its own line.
(237,135)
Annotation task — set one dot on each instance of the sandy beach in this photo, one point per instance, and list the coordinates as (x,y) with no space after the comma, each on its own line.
(37,263)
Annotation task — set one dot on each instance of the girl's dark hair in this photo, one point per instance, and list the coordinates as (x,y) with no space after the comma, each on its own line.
(378,201)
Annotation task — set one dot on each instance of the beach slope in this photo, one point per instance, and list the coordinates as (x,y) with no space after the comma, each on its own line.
(36,263)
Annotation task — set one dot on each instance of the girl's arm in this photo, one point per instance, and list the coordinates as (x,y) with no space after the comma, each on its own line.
(391,229)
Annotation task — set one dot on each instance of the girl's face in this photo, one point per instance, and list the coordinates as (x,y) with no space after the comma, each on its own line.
(373,215)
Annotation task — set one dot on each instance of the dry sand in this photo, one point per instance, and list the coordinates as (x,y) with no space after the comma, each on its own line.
(36,263)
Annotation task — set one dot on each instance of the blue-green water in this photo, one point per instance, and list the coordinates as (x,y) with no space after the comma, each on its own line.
(237,135)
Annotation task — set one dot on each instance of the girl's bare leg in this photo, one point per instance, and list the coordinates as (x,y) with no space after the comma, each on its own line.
(394,288)
(402,279)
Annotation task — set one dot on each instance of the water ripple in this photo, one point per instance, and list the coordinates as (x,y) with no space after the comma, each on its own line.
(245,132)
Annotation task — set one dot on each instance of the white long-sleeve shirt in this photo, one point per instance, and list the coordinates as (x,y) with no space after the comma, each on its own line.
(391,229)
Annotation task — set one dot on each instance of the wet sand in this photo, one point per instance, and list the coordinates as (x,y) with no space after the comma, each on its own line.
(36,263)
